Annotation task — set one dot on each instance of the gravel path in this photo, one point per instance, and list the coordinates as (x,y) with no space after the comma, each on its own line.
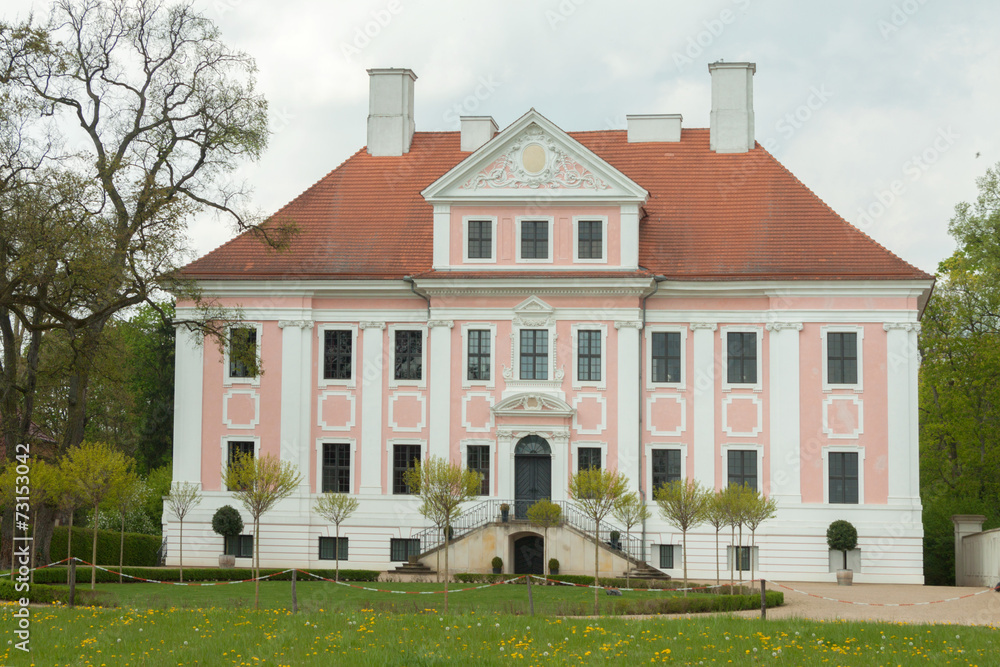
(979,610)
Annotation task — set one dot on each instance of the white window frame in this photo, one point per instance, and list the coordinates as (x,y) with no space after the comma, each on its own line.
(229,380)
(650,446)
(224,461)
(575,337)
(724,339)
(320,345)
(422,382)
(857,449)
(588,444)
(650,329)
(517,239)
(319,459)
(754,556)
(492,259)
(463,447)
(479,326)
(678,555)
(389,471)
(603,219)
(516,361)
(743,447)
(837,328)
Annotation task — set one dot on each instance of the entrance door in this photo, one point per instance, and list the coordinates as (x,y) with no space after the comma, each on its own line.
(528,553)
(532,473)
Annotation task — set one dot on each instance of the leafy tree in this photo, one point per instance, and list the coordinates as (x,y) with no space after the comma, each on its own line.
(842,536)
(259,483)
(94,472)
(545,514)
(130,491)
(183,498)
(716,516)
(336,508)
(683,504)
(595,492)
(630,510)
(442,487)
(760,508)
(68,498)
(227,522)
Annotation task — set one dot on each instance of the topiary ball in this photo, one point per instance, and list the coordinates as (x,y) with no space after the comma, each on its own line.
(227,521)
(842,535)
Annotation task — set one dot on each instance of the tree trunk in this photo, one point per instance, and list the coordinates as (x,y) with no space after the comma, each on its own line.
(7,529)
(84,345)
(33,552)
(447,540)
(718,576)
(69,540)
(628,563)
(256,562)
(121,550)
(753,543)
(180,548)
(684,556)
(597,569)
(739,552)
(732,561)
(93,553)
(336,555)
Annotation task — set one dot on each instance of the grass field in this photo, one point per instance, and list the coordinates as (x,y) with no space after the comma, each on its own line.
(172,636)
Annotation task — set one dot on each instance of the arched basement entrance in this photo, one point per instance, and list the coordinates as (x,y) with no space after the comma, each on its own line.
(528,554)
(532,473)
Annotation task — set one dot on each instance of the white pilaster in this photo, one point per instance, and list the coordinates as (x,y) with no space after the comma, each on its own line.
(901,381)
(189,364)
(370,458)
(505,463)
(440,387)
(704,402)
(442,236)
(560,464)
(294,448)
(630,236)
(629,443)
(786,468)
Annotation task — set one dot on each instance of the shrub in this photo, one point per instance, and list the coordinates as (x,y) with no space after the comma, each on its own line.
(497,563)
(553,565)
(58,574)
(140,550)
(842,536)
(476,578)
(227,521)
(46,594)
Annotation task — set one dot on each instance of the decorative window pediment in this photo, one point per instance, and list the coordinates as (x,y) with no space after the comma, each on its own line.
(533,312)
(533,404)
(534,155)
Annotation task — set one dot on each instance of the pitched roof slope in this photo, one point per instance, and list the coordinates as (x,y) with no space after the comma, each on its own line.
(709,217)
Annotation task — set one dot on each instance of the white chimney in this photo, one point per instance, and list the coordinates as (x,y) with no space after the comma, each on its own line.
(732,121)
(476,131)
(654,127)
(390,111)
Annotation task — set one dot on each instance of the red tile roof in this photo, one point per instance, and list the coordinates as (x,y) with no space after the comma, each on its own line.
(709,217)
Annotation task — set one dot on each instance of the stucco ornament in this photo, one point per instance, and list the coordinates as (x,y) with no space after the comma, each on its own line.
(534,160)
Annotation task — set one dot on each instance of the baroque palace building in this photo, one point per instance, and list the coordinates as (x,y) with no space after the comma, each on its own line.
(666,301)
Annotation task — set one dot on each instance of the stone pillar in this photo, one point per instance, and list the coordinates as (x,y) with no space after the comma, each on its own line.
(296,343)
(189,364)
(965,524)
(629,436)
(439,387)
(902,362)
(372,369)
(786,469)
(703,383)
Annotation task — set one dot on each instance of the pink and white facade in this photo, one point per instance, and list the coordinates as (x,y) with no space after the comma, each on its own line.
(664,301)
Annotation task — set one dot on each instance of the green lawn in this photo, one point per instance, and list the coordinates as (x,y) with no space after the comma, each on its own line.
(228,636)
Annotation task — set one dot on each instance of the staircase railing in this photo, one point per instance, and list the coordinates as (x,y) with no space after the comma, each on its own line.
(488,511)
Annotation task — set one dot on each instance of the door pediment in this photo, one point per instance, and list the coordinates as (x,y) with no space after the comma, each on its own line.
(532,404)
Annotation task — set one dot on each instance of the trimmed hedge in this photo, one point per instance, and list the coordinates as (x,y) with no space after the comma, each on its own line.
(690,605)
(474,578)
(46,594)
(57,575)
(140,550)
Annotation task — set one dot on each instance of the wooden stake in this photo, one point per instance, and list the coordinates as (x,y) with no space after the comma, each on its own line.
(763,600)
(72,582)
(531,601)
(295,598)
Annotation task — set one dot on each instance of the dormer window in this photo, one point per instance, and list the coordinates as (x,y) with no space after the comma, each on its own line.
(534,242)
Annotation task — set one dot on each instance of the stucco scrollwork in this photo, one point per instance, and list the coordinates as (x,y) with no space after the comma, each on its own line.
(371,325)
(784,326)
(628,324)
(902,326)
(441,323)
(704,326)
(302,324)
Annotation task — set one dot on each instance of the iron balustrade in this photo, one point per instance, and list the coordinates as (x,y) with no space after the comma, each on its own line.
(488,511)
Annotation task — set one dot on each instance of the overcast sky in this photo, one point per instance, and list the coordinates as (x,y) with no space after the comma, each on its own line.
(886,109)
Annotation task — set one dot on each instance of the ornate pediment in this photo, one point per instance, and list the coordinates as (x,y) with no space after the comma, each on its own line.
(533,312)
(534,156)
(533,404)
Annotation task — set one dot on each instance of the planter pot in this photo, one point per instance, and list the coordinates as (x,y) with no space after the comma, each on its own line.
(553,570)
(498,570)
(412,560)
(845,577)
(505,515)
(227,561)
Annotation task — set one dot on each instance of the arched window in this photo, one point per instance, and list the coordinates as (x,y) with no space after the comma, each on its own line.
(533,444)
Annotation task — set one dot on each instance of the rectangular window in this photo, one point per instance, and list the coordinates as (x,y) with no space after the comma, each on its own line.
(480,239)
(666,356)
(479,354)
(402,549)
(238,448)
(741,349)
(666,467)
(404,457)
(842,357)
(479,461)
(243,352)
(743,467)
(409,355)
(666,556)
(588,360)
(588,458)
(844,477)
(534,239)
(534,354)
(590,239)
(337,354)
(240,546)
(327,546)
(336,468)
(743,556)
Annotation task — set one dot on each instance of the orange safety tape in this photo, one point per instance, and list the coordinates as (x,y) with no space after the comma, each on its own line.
(881,604)
(381,590)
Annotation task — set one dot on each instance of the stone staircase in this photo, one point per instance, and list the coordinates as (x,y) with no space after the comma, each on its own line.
(646,572)
(414,568)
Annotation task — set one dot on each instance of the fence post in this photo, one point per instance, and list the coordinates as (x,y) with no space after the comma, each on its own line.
(763,600)
(295,598)
(531,601)
(72,582)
